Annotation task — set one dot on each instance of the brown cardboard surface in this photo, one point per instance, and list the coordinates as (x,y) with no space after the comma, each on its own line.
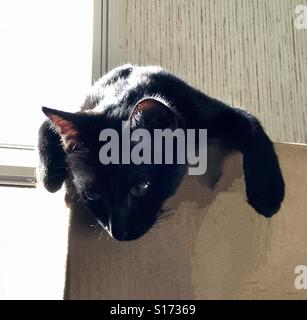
(213,245)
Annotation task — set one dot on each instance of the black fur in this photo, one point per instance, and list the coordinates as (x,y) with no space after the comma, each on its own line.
(110,102)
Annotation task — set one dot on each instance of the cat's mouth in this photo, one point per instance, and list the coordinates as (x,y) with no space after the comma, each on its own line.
(120,234)
(123,235)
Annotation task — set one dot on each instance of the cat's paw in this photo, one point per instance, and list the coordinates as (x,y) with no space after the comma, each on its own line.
(53,185)
(267,199)
(265,209)
(52,179)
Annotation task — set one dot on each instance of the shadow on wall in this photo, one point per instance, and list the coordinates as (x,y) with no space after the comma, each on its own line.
(213,245)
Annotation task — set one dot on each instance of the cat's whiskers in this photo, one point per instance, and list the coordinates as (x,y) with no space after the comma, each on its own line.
(95,226)
(102,230)
(100,235)
(164,214)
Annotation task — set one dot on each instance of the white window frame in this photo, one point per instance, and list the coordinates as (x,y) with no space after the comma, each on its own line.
(22,171)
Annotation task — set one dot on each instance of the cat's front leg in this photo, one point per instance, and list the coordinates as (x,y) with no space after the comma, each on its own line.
(239,130)
(52,167)
(265,188)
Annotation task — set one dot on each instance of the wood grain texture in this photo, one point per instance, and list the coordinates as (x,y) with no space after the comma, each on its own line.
(245,52)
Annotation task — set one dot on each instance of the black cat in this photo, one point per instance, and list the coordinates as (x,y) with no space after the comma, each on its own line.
(127,199)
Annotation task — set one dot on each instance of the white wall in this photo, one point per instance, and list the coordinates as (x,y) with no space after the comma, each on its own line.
(245,52)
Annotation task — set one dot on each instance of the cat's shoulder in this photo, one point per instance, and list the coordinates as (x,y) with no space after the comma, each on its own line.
(128,79)
(131,71)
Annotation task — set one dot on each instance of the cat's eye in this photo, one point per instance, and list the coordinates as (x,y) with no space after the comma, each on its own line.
(91,195)
(140,189)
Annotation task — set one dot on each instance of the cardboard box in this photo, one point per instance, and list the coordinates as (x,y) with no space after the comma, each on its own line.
(212,246)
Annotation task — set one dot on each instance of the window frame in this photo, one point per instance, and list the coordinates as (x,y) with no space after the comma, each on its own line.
(23,174)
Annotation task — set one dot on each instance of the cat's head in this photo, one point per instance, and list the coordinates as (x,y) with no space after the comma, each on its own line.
(126,199)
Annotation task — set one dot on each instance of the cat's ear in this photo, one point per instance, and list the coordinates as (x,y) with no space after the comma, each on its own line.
(151,113)
(66,125)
